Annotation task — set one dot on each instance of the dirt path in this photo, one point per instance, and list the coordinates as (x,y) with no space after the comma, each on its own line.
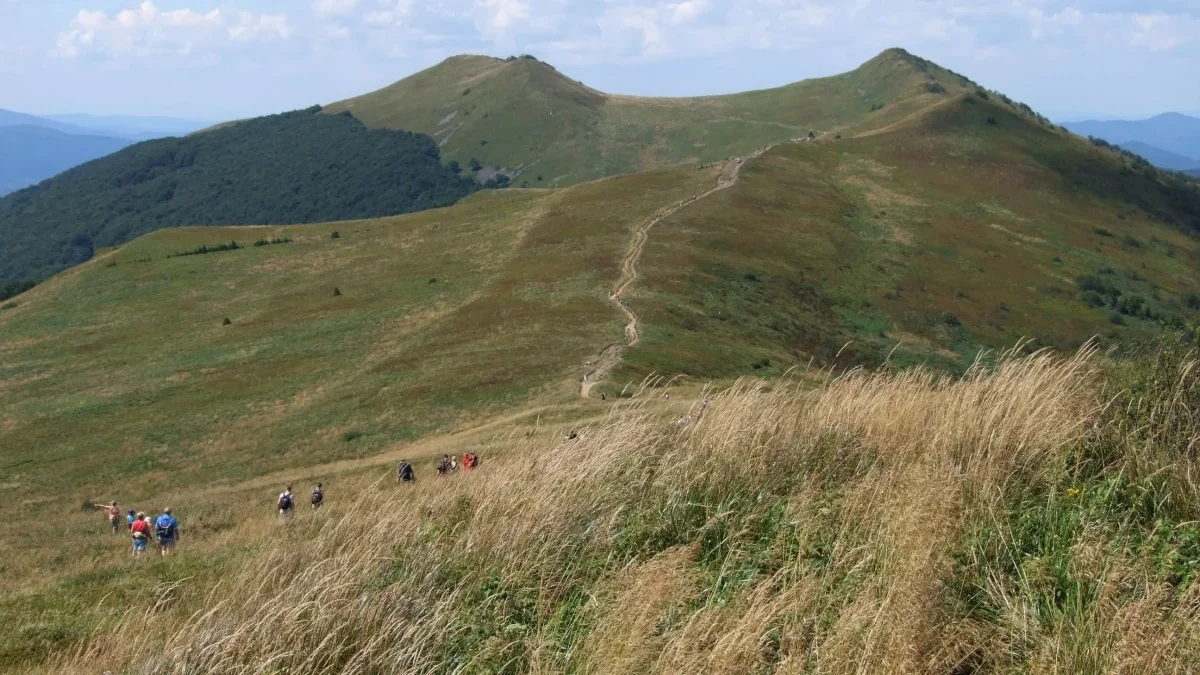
(611,356)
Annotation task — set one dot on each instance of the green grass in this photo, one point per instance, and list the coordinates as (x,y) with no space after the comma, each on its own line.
(936,239)
(535,119)
(123,382)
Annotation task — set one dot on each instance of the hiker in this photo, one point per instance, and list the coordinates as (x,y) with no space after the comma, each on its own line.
(166,528)
(131,518)
(666,396)
(286,502)
(113,513)
(318,497)
(470,460)
(405,473)
(139,530)
(443,465)
(453,464)
(603,396)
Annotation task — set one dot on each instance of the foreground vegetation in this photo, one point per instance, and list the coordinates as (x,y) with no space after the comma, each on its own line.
(1036,515)
(297,167)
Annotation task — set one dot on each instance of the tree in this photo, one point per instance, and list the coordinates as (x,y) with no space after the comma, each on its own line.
(475,165)
(454,166)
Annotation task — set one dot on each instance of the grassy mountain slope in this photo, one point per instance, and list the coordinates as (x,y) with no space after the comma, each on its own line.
(524,115)
(291,168)
(30,154)
(935,238)
(928,231)
(883,523)
(119,377)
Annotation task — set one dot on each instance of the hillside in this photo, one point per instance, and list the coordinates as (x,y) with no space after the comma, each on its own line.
(545,129)
(209,381)
(296,167)
(1163,159)
(31,154)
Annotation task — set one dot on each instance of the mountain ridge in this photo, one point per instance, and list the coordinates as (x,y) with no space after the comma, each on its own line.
(483,108)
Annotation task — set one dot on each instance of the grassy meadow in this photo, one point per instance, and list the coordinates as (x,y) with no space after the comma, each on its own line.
(1037,515)
(120,380)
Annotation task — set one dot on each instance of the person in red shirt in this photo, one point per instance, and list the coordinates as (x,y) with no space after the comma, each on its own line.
(140,530)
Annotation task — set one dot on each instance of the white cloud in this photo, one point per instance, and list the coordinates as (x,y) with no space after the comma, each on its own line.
(146,31)
(494,18)
(1160,32)
(264,27)
(327,8)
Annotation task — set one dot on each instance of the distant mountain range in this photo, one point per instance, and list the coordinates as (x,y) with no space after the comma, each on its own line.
(1169,141)
(34,148)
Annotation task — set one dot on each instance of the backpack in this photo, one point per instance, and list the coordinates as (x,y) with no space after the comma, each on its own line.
(285,502)
(164,529)
(317,496)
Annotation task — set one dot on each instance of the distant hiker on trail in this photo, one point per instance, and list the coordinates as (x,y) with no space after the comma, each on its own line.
(286,502)
(603,396)
(139,529)
(113,513)
(666,396)
(443,465)
(166,528)
(318,497)
(453,464)
(405,473)
(470,461)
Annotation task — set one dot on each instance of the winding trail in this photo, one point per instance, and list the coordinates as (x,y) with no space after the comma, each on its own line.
(611,356)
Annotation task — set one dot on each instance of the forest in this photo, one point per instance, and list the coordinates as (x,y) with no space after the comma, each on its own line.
(295,167)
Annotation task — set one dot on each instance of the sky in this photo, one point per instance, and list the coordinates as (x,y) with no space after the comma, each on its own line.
(217,59)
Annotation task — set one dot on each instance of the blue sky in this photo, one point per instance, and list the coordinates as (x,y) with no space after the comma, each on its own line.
(215,59)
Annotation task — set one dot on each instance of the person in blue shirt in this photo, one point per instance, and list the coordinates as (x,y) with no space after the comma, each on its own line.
(131,518)
(167,530)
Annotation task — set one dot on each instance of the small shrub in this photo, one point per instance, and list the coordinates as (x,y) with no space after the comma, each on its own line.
(981,94)
(1116,319)
(474,164)
(934,88)
(483,142)
(991,120)
(951,320)
(8,305)
(1192,300)
(432,280)
(335,235)
(454,166)
(112,264)
(1102,232)
(838,137)
(1057,259)
(760,364)
(466,91)
(273,240)
(226,322)
(204,249)
(1132,241)
(352,435)
(811,135)
(336,291)
(539,177)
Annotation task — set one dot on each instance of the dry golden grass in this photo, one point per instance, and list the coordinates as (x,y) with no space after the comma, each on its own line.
(781,530)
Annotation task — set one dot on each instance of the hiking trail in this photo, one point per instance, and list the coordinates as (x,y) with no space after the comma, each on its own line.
(611,356)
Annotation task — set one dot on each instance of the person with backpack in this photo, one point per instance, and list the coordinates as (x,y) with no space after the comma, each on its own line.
(166,529)
(113,513)
(139,529)
(286,502)
(469,461)
(318,497)
(405,474)
(443,466)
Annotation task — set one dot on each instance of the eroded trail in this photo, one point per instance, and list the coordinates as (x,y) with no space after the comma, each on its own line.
(611,355)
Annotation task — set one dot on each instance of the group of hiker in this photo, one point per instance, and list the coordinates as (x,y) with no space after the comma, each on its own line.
(164,529)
